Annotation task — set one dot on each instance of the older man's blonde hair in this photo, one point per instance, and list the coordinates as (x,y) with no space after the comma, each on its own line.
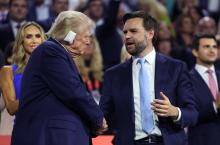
(69,21)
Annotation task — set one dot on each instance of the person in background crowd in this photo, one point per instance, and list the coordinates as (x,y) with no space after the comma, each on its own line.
(57,7)
(91,69)
(55,107)
(150,96)
(28,38)
(206,25)
(206,83)
(38,11)
(3,11)
(106,30)
(18,10)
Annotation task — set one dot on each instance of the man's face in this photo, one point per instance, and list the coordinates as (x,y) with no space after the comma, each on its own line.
(18,10)
(96,9)
(60,5)
(81,43)
(207,52)
(135,36)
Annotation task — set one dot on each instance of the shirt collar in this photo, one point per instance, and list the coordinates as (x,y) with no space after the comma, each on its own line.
(14,24)
(202,69)
(150,57)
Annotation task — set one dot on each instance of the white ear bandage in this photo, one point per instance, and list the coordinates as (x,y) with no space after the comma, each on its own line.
(70,37)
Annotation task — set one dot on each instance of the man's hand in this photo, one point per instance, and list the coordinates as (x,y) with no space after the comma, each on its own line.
(164,108)
(217,101)
(103,128)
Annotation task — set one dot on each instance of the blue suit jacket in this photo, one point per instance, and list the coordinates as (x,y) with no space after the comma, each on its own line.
(55,107)
(207,129)
(171,77)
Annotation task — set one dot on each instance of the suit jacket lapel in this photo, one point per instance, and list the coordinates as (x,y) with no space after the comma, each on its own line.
(218,78)
(127,82)
(160,69)
(202,83)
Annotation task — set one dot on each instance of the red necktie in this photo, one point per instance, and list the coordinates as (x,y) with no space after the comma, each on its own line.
(212,83)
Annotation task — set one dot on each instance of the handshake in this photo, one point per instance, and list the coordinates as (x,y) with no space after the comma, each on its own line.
(103,128)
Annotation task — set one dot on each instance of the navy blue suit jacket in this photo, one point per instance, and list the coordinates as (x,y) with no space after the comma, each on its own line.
(55,107)
(171,77)
(207,129)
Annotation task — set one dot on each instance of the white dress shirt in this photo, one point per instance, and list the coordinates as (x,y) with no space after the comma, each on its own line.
(151,58)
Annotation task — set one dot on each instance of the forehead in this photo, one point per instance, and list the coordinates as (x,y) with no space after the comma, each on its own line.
(207,41)
(31,29)
(133,23)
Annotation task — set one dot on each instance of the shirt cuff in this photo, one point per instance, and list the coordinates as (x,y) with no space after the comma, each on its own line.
(215,108)
(179,115)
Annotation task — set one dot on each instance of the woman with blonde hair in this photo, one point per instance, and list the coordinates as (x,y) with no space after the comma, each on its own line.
(91,68)
(29,36)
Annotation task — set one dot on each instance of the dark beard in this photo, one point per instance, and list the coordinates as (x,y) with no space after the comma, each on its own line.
(139,47)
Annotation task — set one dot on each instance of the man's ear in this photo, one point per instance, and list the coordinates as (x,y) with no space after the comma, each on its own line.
(195,52)
(151,33)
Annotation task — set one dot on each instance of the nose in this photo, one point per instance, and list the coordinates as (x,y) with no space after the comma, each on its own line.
(127,35)
(88,40)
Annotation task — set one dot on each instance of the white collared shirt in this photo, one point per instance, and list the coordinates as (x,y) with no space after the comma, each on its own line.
(151,59)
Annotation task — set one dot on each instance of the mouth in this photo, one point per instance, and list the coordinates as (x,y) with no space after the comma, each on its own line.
(129,44)
(34,46)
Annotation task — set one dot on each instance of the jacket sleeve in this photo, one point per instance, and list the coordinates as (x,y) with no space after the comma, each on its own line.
(65,84)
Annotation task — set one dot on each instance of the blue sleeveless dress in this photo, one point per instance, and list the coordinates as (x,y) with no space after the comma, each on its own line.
(17,81)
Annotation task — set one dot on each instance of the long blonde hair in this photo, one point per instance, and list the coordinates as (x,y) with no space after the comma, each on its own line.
(19,57)
(96,66)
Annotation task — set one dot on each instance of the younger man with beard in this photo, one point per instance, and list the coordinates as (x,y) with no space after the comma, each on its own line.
(149,95)
(206,81)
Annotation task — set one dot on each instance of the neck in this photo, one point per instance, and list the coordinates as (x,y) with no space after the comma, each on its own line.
(27,56)
(146,51)
(207,65)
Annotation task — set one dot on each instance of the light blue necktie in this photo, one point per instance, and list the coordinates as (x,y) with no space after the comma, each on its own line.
(147,120)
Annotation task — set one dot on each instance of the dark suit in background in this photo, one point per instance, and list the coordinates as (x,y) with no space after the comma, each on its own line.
(6,35)
(207,130)
(55,107)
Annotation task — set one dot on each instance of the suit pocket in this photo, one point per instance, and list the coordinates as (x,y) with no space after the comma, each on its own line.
(62,124)
(61,132)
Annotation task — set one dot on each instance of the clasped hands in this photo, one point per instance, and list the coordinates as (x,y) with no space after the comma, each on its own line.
(163,107)
(103,128)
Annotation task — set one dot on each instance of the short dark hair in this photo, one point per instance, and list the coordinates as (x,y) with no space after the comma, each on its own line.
(197,37)
(149,22)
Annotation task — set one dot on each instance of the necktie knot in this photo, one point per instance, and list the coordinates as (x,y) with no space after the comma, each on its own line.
(141,61)
(209,71)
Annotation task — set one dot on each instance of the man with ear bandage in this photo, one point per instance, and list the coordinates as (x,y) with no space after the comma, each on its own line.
(55,107)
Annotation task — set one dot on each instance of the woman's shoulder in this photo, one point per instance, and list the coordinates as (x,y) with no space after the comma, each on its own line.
(6,71)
